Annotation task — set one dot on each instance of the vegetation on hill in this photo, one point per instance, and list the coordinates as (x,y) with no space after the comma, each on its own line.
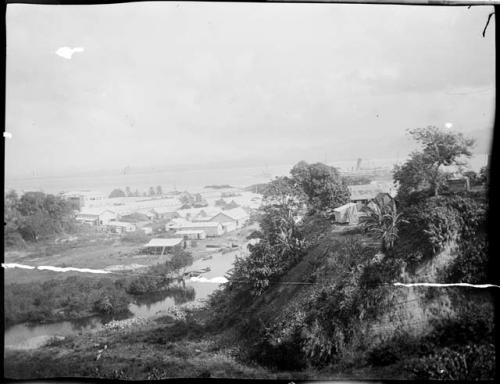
(311,296)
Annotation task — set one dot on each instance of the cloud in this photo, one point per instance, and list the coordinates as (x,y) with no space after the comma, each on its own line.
(67,52)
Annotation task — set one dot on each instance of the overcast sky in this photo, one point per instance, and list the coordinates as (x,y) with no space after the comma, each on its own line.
(163,83)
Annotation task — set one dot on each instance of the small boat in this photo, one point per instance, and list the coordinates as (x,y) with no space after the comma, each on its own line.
(207,269)
(207,258)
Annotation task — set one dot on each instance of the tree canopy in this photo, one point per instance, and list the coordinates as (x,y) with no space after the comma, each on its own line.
(35,215)
(323,185)
(423,170)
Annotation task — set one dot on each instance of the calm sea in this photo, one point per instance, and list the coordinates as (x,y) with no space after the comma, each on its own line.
(192,179)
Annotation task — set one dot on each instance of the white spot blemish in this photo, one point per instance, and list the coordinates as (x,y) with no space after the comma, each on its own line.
(67,52)
(7,135)
(448,125)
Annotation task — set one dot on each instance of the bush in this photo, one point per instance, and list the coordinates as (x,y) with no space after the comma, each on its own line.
(471,362)
(73,297)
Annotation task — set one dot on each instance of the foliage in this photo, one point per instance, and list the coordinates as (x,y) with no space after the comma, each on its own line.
(434,222)
(159,277)
(34,216)
(423,169)
(471,362)
(180,259)
(286,354)
(116,193)
(324,187)
(382,220)
(71,298)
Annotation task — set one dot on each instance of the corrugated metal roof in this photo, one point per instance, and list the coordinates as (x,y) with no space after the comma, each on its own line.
(190,232)
(164,242)
(235,213)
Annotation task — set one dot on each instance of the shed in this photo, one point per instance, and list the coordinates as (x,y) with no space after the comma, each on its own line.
(347,213)
(192,234)
(160,246)
(212,229)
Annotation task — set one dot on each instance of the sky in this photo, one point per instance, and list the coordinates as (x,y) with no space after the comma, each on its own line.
(97,87)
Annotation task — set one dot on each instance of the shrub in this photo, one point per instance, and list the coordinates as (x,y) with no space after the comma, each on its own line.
(471,362)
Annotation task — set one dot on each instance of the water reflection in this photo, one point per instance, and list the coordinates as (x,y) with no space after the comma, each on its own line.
(33,335)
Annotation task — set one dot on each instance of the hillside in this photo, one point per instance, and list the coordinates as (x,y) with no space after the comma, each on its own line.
(338,310)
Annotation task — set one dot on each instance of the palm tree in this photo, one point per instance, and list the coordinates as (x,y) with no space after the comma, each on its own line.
(382,220)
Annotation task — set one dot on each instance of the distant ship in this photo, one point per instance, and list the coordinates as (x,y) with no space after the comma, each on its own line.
(126,170)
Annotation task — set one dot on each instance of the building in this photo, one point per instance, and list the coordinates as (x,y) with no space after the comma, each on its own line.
(238,216)
(121,226)
(162,246)
(84,199)
(363,194)
(212,229)
(96,216)
(346,214)
(168,212)
(458,184)
(192,234)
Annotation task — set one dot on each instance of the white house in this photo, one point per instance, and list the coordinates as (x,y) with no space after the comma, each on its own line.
(96,216)
(238,216)
(212,229)
(84,199)
(121,226)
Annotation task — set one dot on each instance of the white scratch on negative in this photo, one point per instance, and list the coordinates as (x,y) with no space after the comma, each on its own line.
(55,269)
(215,280)
(447,285)
(15,265)
(69,269)
(7,135)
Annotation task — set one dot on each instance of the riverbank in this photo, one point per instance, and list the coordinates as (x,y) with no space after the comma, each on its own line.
(178,345)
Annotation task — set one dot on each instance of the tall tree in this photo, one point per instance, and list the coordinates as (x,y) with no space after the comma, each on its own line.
(151,191)
(441,148)
(324,187)
(128,191)
(159,190)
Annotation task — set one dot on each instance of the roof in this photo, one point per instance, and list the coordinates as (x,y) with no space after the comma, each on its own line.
(344,207)
(120,224)
(235,213)
(190,232)
(95,211)
(203,224)
(164,242)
